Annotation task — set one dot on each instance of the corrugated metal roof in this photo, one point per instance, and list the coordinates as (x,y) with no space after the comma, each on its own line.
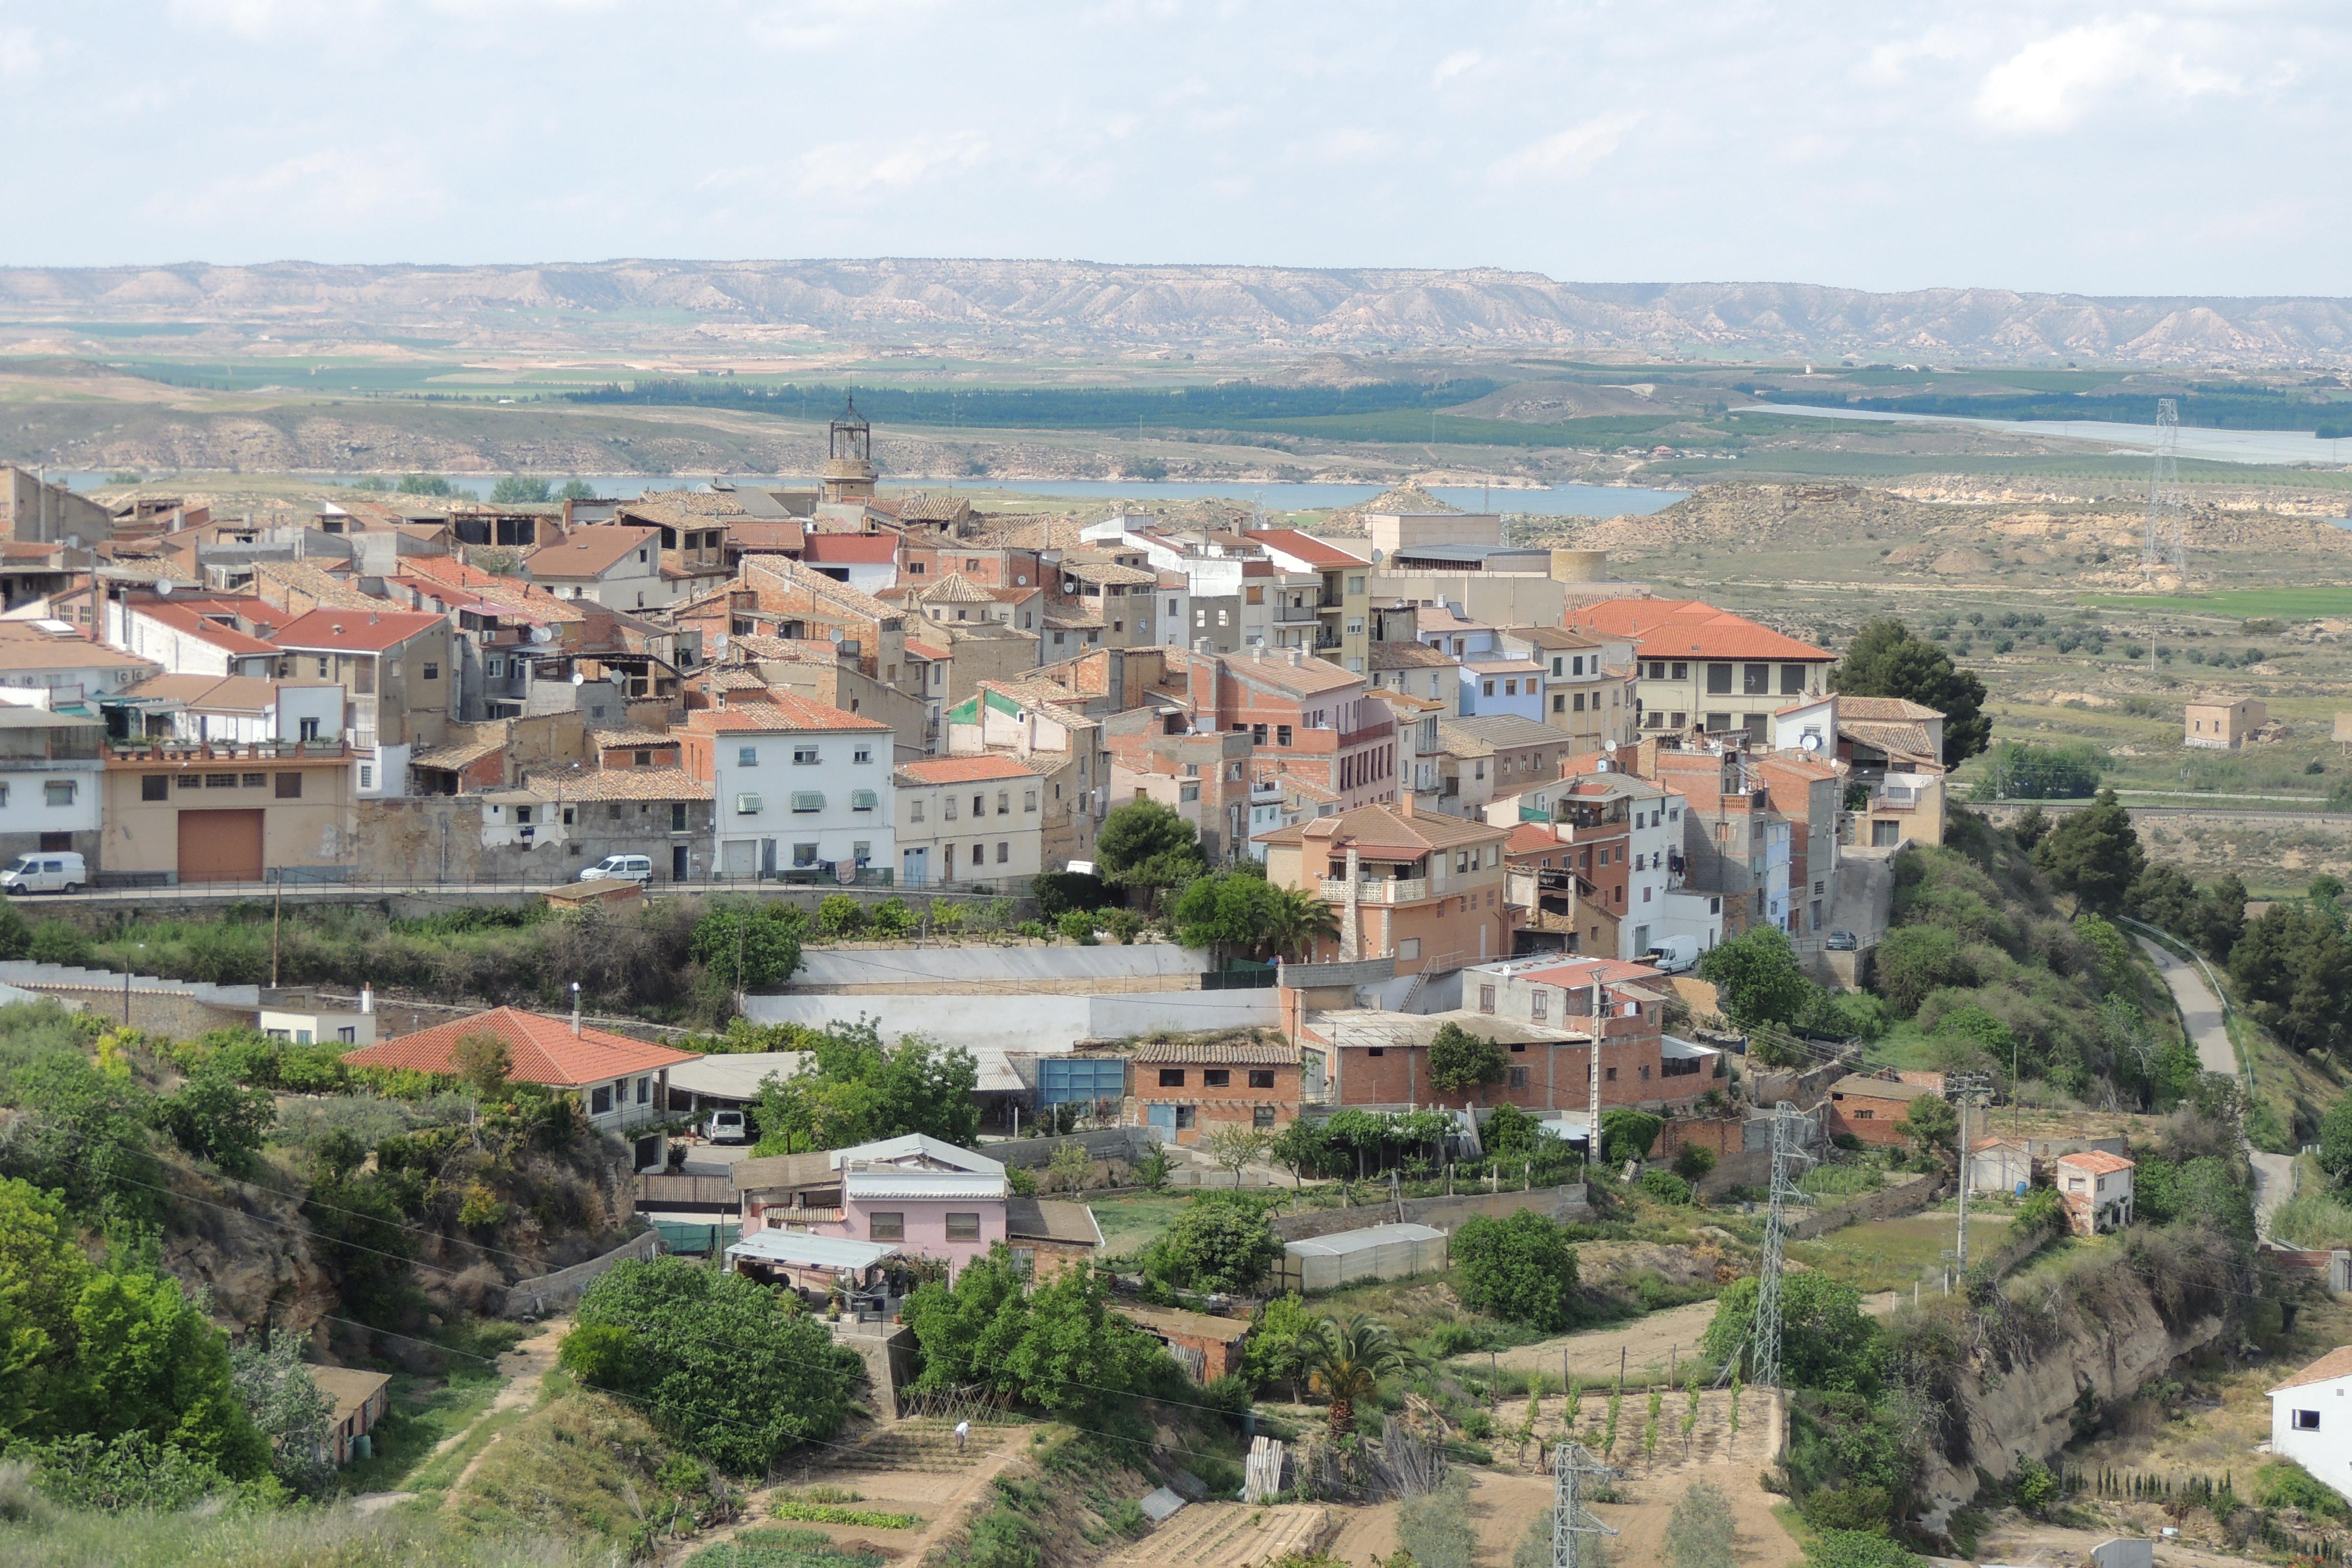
(942,1184)
(1364,1240)
(810,1251)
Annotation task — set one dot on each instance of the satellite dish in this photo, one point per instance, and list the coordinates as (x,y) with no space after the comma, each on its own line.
(1812,743)
(578,678)
(542,634)
(1610,747)
(162,587)
(1376,555)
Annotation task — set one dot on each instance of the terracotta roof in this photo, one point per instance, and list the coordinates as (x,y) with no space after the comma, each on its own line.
(1497,731)
(1409,655)
(1865,1087)
(961,770)
(1168,1320)
(618,784)
(1059,619)
(1552,636)
(610,739)
(781,711)
(320,585)
(1374,828)
(354,631)
(1687,628)
(1528,838)
(545,1049)
(924,650)
(1087,571)
(2335,1364)
(186,618)
(921,506)
(592,552)
(955,588)
(844,549)
(1308,675)
(1304,547)
(1906,740)
(2098,1161)
(755,534)
(449,759)
(1890,710)
(207,693)
(1212,1053)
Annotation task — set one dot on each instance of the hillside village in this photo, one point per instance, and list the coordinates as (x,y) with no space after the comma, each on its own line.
(1114,1042)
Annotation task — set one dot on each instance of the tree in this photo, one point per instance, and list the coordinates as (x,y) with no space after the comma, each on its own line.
(726,1368)
(1278,1344)
(1147,846)
(1304,1149)
(518,490)
(1826,1340)
(1914,961)
(850,1089)
(1460,1061)
(281,1396)
(2335,1142)
(1345,1363)
(1628,1134)
(483,1062)
(1058,1347)
(1296,920)
(749,946)
(1217,1242)
(1232,1146)
(1932,1125)
(1519,1269)
(1228,912)
(2094,854)
(2293,969)
(1507,1130)
(215,1118)
(575,490)
(1756,977)
(1885,659)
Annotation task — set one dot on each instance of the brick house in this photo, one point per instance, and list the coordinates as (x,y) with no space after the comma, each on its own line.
(1426,891)
(1701,668)
(1307,715)
(1188,1088)
(1207,1348)
(1869,1107)
(1205,778)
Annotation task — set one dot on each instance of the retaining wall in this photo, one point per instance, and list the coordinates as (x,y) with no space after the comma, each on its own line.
(1032,1023)
(951,967)
(553,1292)
(1908,1196)
(1563,1203)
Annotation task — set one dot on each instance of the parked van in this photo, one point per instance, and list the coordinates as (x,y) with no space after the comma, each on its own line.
(63,872)
(725,1127)
(1675,955)
(623,868)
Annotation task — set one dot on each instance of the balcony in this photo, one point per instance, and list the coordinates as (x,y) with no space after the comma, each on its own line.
(1293,615)
(1896,797)
(1384,891)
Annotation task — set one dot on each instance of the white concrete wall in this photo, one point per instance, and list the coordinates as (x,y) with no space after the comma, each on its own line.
(1040,1022)
(822,967)
(2327,1452)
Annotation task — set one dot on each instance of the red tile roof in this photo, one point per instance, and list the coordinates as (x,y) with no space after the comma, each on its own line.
(354,631)
(780,712)
(545,1049)
(186,618)
(963,770)
(1305,547)
(2335,1364)
(591,551)
(1685,628)
(2098,1161)
(845,548)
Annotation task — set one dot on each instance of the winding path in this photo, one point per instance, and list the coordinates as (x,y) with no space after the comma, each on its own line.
(2201,1015)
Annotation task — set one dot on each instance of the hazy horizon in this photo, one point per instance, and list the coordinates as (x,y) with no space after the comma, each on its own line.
(2161,151)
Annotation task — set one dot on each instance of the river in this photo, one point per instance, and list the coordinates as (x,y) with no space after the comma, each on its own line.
(2258,447)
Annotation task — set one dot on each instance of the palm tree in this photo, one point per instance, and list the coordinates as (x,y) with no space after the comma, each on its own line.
(1345,1363)
(1294,921)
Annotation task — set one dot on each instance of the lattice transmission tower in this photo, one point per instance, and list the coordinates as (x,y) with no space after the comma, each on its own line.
(1786,1155)
(1572,1467)
(2168,517)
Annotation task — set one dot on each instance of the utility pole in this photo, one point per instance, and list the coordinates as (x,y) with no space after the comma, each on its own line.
(1571,1466)
(1593,1151)
(1963,1090)
(1786,1156)
(277,924)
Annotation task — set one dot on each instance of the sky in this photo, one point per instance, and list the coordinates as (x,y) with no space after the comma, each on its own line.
(2171,148)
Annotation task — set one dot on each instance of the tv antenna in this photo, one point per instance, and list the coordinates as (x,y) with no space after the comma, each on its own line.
(2168,528)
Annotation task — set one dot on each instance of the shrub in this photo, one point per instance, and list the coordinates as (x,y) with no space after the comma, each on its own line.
(1856,1549)
(1520,1268)
(1218,1242)
(891,918)
(1077,925)
(1435,1528)
(1666,1186)
(55,941)
(827,1513)
(1122,926)
(1691,1162)
(839,916)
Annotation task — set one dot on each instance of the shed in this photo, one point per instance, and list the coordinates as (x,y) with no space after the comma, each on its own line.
(360,1399)
(1207,1348)
(1997,1165)
(1375,1252)
(814,1264)
(610,891)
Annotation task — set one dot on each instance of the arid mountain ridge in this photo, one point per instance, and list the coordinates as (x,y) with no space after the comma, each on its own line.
(1123,307)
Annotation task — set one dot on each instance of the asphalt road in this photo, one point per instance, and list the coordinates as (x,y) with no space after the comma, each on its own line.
(2200,1014)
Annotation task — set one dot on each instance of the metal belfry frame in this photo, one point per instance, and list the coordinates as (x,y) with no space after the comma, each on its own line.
(1786,1155)
(1571,1466)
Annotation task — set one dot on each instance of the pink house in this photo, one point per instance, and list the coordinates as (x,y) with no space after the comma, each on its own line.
(916,1195)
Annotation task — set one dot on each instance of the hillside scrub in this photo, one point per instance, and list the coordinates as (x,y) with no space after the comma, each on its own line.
(1980,959)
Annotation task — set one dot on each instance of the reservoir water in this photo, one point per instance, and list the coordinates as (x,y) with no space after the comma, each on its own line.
(2195,441)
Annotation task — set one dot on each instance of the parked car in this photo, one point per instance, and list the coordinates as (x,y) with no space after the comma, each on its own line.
(1842,941)
(725,1127)
(63,872)
(1675,955)
(623,868)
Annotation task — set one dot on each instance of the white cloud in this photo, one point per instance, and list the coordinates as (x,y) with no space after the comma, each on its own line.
(1566,154)
(846,169)
(2051,83)
(1890,63)
(1347,144)
(264,19)
(22,52)
(325,188)
(812,25)
(1460,63)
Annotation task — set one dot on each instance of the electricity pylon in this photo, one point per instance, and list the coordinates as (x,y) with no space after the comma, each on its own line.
(2168,528)
(1786,1156)
(1571,1466)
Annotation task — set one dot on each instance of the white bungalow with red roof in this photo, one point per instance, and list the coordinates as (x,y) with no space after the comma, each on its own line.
(622,1083)
(968,819)
(801,788)
(2096,1188)
(2311,1419)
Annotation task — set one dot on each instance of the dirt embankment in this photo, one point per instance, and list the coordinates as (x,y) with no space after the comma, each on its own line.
(2036,1364)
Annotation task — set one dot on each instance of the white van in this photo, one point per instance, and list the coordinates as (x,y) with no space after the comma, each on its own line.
(623,868)
(1675,955)
(725,1127)
(62,872)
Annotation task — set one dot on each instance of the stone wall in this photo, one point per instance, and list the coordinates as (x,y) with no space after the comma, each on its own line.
(553,1292)
(1908,1195)
(1564,1203)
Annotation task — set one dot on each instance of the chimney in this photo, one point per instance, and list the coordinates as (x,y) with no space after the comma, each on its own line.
(575,1010)
(1297,655)
(1257,651)
(367,998)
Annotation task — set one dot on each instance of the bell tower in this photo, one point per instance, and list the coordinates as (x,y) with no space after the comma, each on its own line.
(849,456)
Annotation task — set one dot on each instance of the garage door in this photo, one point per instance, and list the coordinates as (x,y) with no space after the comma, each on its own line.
(220,847)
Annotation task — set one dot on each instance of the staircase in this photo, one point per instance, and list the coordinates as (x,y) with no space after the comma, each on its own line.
(1229,1535)
(921,1445)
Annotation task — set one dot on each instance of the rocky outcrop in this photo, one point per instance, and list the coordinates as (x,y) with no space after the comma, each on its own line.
(2039,1362)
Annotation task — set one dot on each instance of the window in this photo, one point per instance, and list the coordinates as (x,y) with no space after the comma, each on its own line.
(1262,1116)
(803,855)
(1486,688)
(861,754)
(252,781)
(1004,803)
(807,800)
(1029,800)
(803,757)
(749,757)
(948,807)
(432,670)
(979,807)
(964,1227)
(678,817)
(600,1099)
(1409,948)
(863,800)
(1540,1003)
(1261,1077)
(914,811)
(189,781)
(1611,1074)
(644,1089)
(1486,998)
(1719,678)
(1216,1078)
(1792,680)
(367,775)
(1282,734)
(1172,1078)
(158,786)
(1184,1114)
(1376,1051)
(886,1225)
(1003,851)
(1257,735)
(309,729)
(2306,1420)
(58,791)
(747,805)
(1519,1079)
(212,781)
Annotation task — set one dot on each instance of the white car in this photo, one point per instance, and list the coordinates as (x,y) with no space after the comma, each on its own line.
(725,1127)
(60,871)
(621,868)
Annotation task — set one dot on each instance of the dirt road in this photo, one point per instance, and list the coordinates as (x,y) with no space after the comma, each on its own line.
(2202,1016)
(1651,1347)
(525,1368)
